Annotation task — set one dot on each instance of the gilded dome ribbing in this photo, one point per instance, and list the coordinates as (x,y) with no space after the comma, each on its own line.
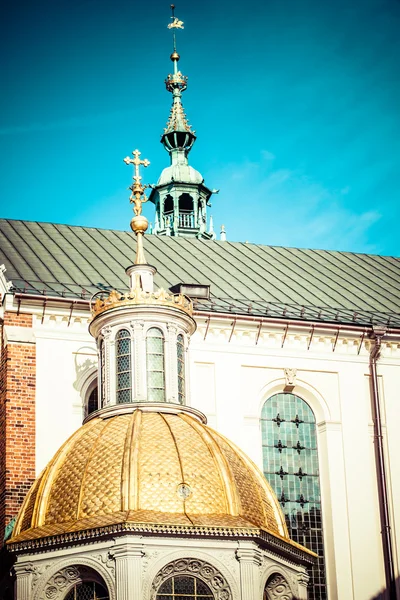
(148,467)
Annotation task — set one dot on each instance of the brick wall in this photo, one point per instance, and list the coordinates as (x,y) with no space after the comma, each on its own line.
(17,420)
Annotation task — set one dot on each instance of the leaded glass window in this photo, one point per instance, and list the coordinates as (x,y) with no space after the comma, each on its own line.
(180,350)
(123,366)
(155,365)
(184,587)
(87,591)
(93,401)
(290,459)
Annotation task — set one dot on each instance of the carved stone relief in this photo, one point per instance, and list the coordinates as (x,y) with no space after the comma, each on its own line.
(62,581)
(196,568)
(277,588)
(290,379)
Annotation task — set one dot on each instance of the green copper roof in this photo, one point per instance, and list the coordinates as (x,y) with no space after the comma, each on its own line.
(75,262)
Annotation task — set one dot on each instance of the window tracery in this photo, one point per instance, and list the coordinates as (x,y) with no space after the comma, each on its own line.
(93,401)
(290,461)
(155,365)
(190,579)
(184,587)
(123,366)
(88,590)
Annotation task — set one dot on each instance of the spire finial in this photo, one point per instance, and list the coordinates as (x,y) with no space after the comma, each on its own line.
(139,222)
(176,83)
(175,24)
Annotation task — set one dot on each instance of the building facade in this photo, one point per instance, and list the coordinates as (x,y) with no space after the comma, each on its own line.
(294,355)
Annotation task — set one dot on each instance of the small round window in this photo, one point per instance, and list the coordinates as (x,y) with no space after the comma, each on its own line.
(184,587)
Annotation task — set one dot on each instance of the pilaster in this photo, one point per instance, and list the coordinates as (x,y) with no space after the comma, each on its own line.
(172,364)
(23,584)
(106,393)
(250,559)
(139,362)
(302,579)
(128,570)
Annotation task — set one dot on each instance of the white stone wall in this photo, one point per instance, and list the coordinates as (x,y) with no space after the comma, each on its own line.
(231,376)
(134,566)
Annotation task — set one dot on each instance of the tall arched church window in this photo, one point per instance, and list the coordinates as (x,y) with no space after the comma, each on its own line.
(290,460)
(155,365)
(89,590)
(184,587)
(123,366)
(180,351)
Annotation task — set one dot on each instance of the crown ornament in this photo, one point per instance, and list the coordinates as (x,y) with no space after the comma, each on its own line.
(137,297)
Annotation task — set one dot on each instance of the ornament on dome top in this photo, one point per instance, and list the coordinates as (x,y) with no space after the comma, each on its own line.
(139,223)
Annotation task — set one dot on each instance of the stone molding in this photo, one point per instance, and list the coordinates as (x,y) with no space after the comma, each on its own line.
(278,588)
(201,569)
(191,554)
(291,576)
(59,578)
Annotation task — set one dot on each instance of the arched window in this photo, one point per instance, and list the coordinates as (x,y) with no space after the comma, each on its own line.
(168,204)
(155,365)
(93,400)
(123,366)
(186,214)
(192,579)
(168,210)
(180,351)
(89,590)
(184,587)
(290,459)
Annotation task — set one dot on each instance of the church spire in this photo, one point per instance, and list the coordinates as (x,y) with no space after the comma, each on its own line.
(180,196)
(178,133)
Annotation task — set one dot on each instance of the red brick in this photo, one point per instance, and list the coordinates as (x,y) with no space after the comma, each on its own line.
(17,415)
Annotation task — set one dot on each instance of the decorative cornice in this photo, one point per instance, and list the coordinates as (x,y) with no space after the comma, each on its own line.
(280,546)
(139,297)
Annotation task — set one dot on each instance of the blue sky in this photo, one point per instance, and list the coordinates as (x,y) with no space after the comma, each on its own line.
(295,104)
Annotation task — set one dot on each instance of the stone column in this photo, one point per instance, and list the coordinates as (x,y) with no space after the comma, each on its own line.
(250,559)
(171,364)
(107,376)
(139,362)
(23,583)
(128,570)
(302,579)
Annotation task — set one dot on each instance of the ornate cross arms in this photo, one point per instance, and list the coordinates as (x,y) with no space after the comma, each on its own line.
(137,196)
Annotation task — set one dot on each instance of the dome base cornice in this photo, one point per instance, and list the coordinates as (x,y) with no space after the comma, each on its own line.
(46,540)
(160,407)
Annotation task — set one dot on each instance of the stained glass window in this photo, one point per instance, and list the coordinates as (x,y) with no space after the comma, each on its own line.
(180,350)
(155,365)
(87,591)
(290,459)
(123,366)
(184,587)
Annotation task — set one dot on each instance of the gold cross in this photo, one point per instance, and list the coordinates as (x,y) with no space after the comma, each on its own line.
(136,162)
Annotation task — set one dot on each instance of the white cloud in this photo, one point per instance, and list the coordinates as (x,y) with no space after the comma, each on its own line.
(289,208)
(267,155)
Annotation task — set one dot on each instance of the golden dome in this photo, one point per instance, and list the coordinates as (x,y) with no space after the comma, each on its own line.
(148,466)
